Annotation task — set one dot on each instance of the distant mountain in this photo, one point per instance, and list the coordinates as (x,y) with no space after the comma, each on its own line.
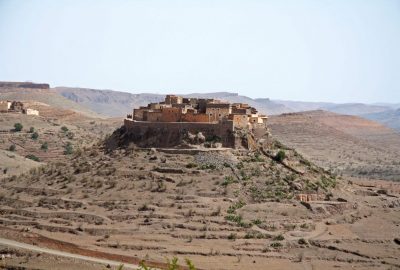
(300,106)
(107,102)
(355,108)
(345,108)
(114,103)
(390,118)
(44,95)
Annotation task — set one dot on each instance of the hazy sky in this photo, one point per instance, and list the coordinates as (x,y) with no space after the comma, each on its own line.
(339,50)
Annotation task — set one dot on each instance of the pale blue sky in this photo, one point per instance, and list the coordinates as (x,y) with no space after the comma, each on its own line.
(315,50)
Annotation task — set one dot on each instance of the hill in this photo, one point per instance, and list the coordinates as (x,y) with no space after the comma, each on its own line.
(118,104)
(390,118)
(45,96)
(354,108)
(55,134)
(222,209)
(346,144)
(114,103)
(107,102)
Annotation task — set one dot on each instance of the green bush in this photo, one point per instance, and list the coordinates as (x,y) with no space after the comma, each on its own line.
(44,146)
(18,127)
(64,129)
(32,157)
(280,156)
(276,245)
(228,180)
(68,149)
(34,135)
(191,165)
(279,237)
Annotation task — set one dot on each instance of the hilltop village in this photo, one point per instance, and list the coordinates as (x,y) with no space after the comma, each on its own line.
(195,119)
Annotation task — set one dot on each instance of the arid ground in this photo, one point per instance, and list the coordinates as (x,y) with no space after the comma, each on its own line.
(220,208)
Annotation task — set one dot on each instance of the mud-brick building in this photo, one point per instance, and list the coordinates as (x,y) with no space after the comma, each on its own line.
(217,111)
(5,105)
(168,122)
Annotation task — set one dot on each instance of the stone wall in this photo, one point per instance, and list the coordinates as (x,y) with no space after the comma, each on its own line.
(169,134)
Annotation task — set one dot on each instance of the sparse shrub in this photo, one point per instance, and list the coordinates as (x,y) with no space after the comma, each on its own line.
(208,167)
(44,146)
(256,221)
(234,218)
(32,157)
(68,149)
(70,135)
(34,135)
(280,156)
(279,237)
(18,127)
(304,226)
(256,235)
(228,180)
(64,129)
(232,236)
(31,129)
(302,241)
(12,148)
(276,245)
(191,165)
(232,209)
(144,207)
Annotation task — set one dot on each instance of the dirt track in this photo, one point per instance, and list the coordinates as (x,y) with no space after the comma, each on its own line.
(15,244)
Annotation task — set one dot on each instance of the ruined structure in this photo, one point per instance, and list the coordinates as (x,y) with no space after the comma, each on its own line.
(189,120)
(7,106)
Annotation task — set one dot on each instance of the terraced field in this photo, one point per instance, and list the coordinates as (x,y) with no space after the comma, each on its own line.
(223,210)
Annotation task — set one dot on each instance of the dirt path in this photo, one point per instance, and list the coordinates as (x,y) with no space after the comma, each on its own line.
(15,244)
